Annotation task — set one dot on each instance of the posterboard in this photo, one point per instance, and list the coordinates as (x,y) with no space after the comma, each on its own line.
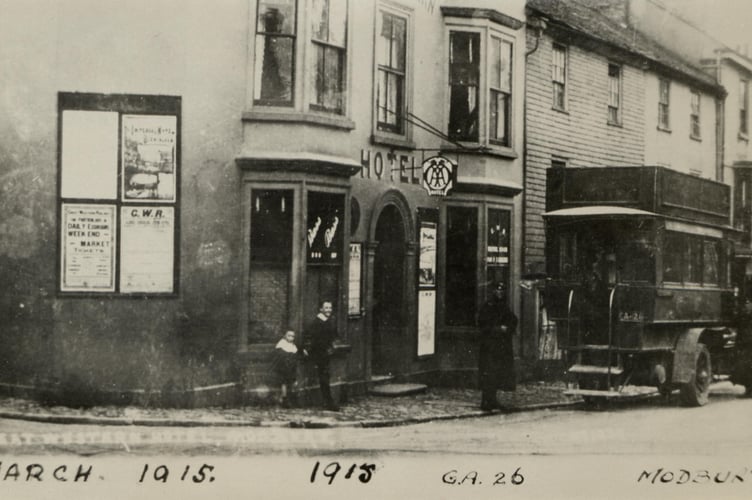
(88,248)
(426,322)
(147,249)
(149,146)
(356,261)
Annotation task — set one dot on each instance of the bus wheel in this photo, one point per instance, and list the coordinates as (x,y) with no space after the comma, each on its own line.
(695,391)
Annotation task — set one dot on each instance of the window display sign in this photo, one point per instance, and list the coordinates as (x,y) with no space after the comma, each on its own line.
(88,248)
(324,232)
(149,158)
(89,154)
(426,322)
(356,260)
(146,249)
(427,263)
(498,237)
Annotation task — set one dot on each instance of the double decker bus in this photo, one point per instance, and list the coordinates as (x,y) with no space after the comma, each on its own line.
(640,286)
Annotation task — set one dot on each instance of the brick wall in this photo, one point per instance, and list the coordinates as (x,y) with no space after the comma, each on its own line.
(581,134)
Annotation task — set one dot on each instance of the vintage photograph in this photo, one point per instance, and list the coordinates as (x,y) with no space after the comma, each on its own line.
(436,249)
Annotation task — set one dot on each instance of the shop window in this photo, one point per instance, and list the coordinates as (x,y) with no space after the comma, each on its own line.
(464,81)
(559,75)
(329,50)
(461,257)
(391,45)
(614,94)
(271,259)
(118,203)
(275,52)
(324,250)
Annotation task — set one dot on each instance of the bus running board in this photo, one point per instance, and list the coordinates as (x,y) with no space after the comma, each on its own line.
(595,370)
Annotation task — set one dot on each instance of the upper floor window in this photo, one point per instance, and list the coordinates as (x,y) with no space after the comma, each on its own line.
(500,91)
(614,94)
(391,45)
(664,88)
(559,75)
(694,116)
(275,52)
(328,55)
(743,105)
(464,83)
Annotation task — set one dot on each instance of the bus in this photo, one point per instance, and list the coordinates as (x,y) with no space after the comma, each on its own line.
(639,263)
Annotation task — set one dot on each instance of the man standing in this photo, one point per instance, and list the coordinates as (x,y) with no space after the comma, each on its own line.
(497,324)
(319,342)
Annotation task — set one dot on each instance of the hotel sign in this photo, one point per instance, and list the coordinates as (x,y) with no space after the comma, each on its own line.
(439,175)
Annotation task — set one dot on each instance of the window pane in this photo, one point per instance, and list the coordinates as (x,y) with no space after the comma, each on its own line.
(499,115)
(461,251)
(559,95)
(464,70)
(693,260)
(320,19)
(327,79)
(384,40)
(501,65)
(711,263)
(338,22)
(274,62)
(277,16)
(673,247)
(495,76)
(325,225)
(399,38)
(463,113)
(271,226)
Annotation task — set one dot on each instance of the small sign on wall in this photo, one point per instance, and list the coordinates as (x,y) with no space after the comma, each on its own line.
(354,284)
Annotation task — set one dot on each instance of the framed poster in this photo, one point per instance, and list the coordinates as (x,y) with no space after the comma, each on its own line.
(354,281)
(427,261)
(149,145)
(426,322)
(87,239)
(147,249)
(89,154)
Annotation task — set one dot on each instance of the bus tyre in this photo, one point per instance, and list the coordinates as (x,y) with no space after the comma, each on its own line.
(695,391)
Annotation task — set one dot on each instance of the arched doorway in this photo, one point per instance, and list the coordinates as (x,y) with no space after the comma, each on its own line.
(388,343)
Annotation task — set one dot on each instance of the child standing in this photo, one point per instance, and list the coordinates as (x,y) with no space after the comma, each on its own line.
(286,365)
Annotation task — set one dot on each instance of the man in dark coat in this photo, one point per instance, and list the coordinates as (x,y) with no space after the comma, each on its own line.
(319,342)
(497,324)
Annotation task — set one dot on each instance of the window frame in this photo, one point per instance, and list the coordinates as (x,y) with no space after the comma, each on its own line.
(743,108)
(695,103)
(664,104)
(382,133)
(341,51)
(485,30)
(559,76)
(258,79)
(614,94)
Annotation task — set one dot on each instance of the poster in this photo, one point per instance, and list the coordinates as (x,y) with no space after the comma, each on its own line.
(89,153)
(427,264)
(149,145)
(147,249)
(356,259)
(88,248)
(426,322)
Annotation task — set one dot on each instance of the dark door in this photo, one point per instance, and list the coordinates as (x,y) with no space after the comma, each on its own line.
(388,294)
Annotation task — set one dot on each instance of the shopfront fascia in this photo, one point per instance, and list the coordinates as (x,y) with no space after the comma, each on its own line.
(296,218)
